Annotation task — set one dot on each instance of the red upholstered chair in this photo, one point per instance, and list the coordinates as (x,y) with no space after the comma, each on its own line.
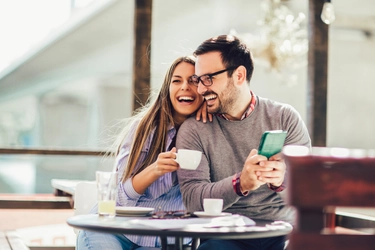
(318,182)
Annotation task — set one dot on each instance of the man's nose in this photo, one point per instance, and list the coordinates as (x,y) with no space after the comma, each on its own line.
(201,88)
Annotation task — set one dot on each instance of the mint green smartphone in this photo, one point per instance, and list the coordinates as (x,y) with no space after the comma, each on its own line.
(272,142)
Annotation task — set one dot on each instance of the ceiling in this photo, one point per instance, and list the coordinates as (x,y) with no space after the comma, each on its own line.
(73,51)
(97,41)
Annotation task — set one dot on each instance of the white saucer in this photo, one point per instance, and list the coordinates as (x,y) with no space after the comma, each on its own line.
(203,214)
(133,211)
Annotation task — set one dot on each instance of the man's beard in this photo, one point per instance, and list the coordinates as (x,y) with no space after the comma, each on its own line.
(226,99)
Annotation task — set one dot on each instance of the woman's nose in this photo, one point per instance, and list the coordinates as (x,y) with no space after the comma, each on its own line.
(185,85)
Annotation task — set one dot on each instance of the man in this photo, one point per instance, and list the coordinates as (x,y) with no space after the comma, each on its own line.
(250,184)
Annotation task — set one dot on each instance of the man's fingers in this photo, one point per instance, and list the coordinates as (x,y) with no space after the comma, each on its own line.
(276,157)
(268,174)
(252,153)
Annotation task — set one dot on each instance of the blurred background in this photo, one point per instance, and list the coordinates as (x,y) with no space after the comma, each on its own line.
(66,71)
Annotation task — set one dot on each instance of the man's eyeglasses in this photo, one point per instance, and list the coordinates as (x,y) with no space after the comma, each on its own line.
(206,79)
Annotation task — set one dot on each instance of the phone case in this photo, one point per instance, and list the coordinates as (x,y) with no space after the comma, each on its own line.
(272,142)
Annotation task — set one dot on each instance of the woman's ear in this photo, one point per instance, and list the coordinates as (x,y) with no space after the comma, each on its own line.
(240,74)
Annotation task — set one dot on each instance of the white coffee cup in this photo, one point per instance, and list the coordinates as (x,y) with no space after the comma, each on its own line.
(213,206)
(188,159)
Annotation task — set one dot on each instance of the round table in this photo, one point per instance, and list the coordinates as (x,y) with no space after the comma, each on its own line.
(189,228)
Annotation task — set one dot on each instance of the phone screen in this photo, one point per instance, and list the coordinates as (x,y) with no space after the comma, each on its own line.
(272,142)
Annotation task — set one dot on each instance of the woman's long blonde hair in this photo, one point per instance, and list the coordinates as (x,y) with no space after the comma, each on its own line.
(155,115)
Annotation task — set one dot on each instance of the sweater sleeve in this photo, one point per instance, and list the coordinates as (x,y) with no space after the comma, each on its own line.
(297,135)
(297,130)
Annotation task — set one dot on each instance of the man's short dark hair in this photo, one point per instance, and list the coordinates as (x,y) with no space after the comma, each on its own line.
(233,52)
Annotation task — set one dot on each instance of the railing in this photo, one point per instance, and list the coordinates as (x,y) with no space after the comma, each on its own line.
(58,200)
(50,151)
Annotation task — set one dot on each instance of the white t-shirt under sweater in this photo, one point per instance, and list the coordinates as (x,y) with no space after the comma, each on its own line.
(225,146)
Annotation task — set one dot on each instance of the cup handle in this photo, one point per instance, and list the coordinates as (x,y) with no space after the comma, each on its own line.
(176,160)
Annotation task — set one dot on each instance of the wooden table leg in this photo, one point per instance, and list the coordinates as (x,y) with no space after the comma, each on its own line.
(330,217)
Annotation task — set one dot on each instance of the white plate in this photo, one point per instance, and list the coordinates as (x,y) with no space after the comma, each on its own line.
(132,211)
(203,214)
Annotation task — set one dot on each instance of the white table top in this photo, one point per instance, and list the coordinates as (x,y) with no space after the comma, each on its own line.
(357,212)
(67,186)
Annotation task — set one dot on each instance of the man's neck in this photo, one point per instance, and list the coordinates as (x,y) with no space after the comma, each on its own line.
(241,106)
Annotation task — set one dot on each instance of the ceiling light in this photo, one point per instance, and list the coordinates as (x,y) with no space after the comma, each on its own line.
(328,13)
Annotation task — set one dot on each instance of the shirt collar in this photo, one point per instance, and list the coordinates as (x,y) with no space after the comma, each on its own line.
(247,111)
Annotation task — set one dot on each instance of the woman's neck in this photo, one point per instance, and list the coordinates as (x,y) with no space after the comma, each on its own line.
(178,120)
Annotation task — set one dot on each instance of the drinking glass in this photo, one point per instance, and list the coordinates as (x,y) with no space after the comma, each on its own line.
(107,189)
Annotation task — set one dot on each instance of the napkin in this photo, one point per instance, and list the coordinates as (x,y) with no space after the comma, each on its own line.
(226,221)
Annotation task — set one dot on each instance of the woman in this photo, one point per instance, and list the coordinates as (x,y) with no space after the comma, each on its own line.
(146,156)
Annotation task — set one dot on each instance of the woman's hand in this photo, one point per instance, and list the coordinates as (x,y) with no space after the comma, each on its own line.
(202,113)
(165,163)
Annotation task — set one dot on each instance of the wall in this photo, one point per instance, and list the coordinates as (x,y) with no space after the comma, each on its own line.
(351,90)
(351,63)
(107,96)
(180,32)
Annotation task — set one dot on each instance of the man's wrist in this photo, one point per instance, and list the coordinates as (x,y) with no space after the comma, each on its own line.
(237,185)
(277,188)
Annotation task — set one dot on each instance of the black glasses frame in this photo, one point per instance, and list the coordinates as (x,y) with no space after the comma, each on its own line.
(196,79)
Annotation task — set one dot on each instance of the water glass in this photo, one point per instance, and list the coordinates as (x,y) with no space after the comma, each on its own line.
(107,189)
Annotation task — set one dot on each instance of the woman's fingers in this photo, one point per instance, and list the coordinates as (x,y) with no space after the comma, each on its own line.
(166,162)
(203,113)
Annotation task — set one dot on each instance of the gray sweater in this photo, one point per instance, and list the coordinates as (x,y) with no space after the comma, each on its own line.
(225,146)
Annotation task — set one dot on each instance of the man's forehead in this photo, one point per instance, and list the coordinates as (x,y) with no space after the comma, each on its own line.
(208,63)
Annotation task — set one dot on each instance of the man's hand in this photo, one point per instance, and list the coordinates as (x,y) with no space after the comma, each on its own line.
(249,179)
(272,171)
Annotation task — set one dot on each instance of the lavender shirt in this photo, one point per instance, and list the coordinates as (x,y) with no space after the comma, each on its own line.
(163,194)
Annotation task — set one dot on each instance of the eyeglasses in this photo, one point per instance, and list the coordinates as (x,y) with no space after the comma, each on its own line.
(206,79)
(171,215)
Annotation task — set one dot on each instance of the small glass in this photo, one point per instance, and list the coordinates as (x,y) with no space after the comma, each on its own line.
(107,190)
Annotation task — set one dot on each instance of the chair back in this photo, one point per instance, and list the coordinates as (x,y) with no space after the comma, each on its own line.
(85,197)
(318,181)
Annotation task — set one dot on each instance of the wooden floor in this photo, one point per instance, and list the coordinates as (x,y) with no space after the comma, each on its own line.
(39,227)
(11,219)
